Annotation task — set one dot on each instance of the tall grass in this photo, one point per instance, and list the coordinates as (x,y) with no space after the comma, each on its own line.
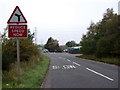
(110,60)
(31,75)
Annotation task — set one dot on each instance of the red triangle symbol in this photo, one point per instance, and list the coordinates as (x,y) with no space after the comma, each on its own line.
(17,17)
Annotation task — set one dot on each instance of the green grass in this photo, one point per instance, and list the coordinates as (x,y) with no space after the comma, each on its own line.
(32,77)
(112,60)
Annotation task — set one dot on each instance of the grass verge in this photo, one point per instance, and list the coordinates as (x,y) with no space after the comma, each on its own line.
(115,61)
(32,77)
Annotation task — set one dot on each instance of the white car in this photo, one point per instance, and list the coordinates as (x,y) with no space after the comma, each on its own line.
(45,51)
(65,50)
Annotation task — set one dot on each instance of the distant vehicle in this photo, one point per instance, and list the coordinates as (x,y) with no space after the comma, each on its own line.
(55,50)
(45,51)
(65,50)
(74,50)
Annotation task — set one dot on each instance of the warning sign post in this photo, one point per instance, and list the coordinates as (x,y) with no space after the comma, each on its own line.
(17,28)
(17,17)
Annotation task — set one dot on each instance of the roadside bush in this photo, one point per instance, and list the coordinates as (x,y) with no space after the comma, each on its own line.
(9,55)
(105,47)
(27,49)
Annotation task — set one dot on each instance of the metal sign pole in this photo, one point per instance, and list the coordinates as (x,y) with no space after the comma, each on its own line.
(18,58)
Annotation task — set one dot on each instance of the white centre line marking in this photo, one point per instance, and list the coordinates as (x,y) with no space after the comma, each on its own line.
(68,60)
(76,63)
(100,74)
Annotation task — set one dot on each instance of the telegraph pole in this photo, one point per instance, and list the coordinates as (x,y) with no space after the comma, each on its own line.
(119,8)
(35,35)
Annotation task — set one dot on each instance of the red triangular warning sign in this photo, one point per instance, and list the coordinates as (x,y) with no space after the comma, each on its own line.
(17,16)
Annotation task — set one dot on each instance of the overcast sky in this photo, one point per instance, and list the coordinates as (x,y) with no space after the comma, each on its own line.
(64,20)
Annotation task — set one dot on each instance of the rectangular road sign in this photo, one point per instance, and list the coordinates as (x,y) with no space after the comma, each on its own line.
(17,31)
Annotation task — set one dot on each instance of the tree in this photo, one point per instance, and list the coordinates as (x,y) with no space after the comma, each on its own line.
(71,44)
(88,42)
(103,38)
(52,45)
(30,35)
(105,46)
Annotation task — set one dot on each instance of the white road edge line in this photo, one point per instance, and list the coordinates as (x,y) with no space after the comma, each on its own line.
(76,63)
(100,74)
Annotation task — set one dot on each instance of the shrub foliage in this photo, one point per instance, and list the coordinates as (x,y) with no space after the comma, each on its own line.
(103,38)
(9,51)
